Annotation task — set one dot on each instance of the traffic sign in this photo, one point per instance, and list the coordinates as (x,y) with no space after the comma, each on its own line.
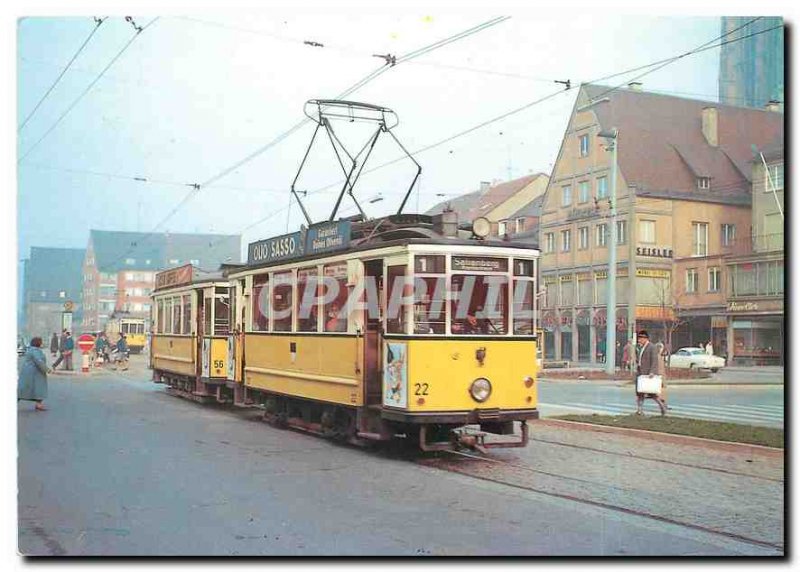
(86,342)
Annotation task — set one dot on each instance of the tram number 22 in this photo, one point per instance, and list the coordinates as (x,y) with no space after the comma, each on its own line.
(218,364)
(421,389)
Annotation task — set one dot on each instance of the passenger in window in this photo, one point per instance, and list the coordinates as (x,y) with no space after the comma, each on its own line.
(475,325)
(334,322)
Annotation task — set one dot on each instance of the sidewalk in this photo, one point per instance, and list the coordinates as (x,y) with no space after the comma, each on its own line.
(766,375)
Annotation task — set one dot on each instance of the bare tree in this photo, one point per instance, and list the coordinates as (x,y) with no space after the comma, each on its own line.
(670,322)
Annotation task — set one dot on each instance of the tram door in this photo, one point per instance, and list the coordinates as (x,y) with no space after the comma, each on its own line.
(200,329)
(373,274)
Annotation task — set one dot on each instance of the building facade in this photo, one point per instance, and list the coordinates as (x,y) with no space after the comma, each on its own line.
(52,286)
(751,69)
(119,268)
(682,191)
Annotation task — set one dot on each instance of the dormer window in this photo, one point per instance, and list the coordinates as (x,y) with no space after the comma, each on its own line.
(704,183)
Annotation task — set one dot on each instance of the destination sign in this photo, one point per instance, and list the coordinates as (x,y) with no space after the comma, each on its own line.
(318,239)
(174,276)
(480,263)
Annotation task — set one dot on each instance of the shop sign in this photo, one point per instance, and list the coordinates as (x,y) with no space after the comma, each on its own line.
(479,264)
(550,279)
(654,313)
(760,306)
(174,277)
(604,273)
(565,278)
(655,252)
(583,276)
(652,273)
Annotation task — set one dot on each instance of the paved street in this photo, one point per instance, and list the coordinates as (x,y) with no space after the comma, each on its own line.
(116,466)
(726,396)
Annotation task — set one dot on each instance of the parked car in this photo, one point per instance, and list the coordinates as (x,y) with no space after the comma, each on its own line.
(696,358)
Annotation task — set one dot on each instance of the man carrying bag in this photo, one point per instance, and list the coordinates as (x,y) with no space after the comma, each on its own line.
(648,383)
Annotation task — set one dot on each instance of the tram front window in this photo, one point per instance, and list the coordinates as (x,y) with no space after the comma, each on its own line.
(429,294)
(479,304)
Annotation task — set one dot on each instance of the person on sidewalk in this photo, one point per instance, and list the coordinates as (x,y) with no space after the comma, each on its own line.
(33,375)
(122,352)
(62,348)
(69,347)
(662,370)
(54,345)
(648,365)
(709,348)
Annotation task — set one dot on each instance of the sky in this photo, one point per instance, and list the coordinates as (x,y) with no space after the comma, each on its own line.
(192,96)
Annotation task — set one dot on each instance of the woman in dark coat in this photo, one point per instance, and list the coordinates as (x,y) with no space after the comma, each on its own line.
(33,375)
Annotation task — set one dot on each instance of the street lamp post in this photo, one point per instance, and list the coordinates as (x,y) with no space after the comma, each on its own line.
(611,281)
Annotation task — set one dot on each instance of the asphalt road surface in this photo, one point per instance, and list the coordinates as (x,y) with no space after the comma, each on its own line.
(117,467)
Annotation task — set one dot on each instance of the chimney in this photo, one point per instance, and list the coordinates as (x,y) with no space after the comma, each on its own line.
(710,121)
(446,223)
(635,86)
(485,186)
(773,105)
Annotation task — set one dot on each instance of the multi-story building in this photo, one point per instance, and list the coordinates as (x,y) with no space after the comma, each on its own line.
(119,268)
(52,283)
(751,69)
(754,325)
(682,191)
(510,207)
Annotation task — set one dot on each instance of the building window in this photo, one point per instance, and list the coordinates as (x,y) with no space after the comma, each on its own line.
(130,261)
(519,225)
(691,280)
(699,239)
(703,183)
(713,279)
(775,176)
(584,142)
(647,231)
(622,232)
(583,237)
(583,192)
(501,228)
(549,242)
(728,234)
(566,196)
(174,261)
(62,294)
(602,234)
(602,187)
(565,240)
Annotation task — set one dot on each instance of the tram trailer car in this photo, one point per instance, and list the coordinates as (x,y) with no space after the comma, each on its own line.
(341,369)
(134,330)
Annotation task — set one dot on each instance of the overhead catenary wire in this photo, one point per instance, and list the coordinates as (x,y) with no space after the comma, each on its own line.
(86,90)
(98,23)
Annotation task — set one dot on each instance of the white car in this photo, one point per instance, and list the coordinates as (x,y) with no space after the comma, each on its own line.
(696,358)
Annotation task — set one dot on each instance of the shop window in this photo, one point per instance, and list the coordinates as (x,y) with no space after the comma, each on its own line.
(282,308)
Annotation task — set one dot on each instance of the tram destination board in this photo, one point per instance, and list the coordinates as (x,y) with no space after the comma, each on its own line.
(479,264)
(319,238)
(175,276)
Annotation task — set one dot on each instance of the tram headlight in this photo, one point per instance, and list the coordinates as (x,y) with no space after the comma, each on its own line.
(480,390)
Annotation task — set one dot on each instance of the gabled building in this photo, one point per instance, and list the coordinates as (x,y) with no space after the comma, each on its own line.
(52,283)
(506,205)
(683,190)
(119,268)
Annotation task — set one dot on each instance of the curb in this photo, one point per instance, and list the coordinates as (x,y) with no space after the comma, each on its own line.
(670,437)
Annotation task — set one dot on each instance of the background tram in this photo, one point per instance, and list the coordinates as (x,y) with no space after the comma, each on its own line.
(191,324)
(337,366)
(135,330)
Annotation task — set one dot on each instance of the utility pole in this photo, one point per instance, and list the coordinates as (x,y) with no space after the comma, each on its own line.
(632,263)
(611,280)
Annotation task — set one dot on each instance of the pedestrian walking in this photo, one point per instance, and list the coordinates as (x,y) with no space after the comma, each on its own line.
(54,345)
(62,343)
(33,375)
(69,347)
(122,352)
(648,366)
(100,346)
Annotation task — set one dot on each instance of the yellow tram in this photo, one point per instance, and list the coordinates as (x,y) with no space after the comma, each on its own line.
(134,329)
(364,330)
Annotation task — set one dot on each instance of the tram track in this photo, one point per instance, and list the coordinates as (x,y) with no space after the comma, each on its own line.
(474,467)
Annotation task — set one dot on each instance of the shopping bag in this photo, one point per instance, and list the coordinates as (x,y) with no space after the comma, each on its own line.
(647,384)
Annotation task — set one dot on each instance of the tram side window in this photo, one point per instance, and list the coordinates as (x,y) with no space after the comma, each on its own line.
(260,301)
(207,331)
(176,315)
(479,304)
(221,316)
(168,316)
(160,316)
(335,297)
(187,313)
(282,307)
(399,292)
(307,300)
(523,307)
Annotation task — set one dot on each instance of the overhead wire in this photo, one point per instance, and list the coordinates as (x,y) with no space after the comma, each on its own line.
(98,22)
(85,91)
